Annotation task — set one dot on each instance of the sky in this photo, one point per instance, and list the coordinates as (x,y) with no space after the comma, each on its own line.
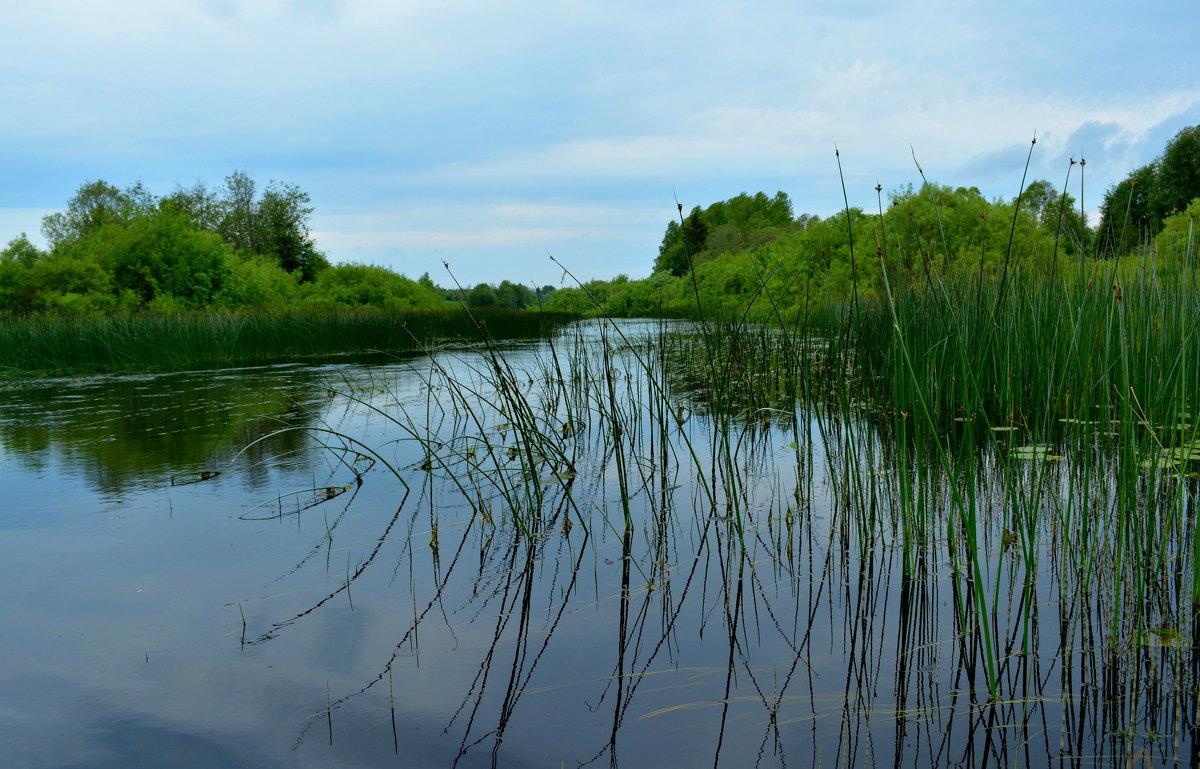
(490,135)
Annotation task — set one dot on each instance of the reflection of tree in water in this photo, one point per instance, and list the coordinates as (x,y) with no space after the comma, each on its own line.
(139,431)
(763,599)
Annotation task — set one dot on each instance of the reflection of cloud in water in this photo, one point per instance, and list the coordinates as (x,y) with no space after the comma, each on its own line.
(701,608)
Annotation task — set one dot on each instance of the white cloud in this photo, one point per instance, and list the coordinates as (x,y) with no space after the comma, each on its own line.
(448,107)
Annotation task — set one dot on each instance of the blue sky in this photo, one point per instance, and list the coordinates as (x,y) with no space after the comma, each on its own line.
(491,134)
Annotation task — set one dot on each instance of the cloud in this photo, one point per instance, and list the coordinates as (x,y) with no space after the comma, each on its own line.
(377,108)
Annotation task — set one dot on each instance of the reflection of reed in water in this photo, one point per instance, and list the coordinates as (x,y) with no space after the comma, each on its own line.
(822,588)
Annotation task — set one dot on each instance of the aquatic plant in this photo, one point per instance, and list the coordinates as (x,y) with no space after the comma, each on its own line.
(171,342)
(952,524)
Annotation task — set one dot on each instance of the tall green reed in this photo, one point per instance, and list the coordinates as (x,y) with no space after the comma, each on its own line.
(151,341)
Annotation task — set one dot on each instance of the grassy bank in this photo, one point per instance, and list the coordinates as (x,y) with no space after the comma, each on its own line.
(165,342)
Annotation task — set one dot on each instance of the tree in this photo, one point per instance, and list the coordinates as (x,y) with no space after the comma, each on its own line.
(21,251)
(1135,208)
(202,206)
(673,254)
(1057,214)
(693,233)
(1126,211)
(239,209)
(1177,181)
(727,226)
(282,228)
(482,295)
(275,225)
(158,257)
(670,238)
(94,205)
(257,281)
(360,285)
(755,212)
(514,295)
(59,281)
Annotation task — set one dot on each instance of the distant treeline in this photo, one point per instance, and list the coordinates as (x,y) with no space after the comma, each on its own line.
(514,296)
(752,251)
(116,250)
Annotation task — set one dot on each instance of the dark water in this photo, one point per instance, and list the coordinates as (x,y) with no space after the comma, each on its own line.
(179,591)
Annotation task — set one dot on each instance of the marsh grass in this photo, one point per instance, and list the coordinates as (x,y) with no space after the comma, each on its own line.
(989,482)
(170,342)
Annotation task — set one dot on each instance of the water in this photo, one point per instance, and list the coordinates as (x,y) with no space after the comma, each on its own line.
(187,586)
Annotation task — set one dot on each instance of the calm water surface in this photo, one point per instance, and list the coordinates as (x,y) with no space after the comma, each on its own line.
(403,579)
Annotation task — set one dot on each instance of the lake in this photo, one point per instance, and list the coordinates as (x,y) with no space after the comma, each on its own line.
(569,553)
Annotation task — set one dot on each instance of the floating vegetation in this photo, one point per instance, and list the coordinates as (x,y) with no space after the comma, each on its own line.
(1035,453)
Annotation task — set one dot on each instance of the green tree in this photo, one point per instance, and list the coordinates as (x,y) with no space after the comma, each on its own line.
(693,234)
(1134,209)
(359,285)
(21,251)
(159,256)
(1177,181)
(239,213)
(670,238)
(201,205)
(282,229)
(482,295)
(1179,240)
(275,224)
(741,222)
(94,205)
(1126,215)
(1053,219)
(514,295)
(66,282)
(257,281)
(755,212)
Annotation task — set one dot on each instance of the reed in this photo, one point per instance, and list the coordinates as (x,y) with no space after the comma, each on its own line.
(163,342)
(1018,453)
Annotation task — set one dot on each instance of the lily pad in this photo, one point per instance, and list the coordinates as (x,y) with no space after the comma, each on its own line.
(1035,453)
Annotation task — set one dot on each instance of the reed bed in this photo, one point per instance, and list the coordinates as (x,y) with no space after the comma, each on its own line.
(957,525)
(164,342)
(995,583)
(1081,347)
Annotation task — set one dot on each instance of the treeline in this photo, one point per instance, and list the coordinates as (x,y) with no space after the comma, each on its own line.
(235,247)
(115,250)
(514,296)
(752,251)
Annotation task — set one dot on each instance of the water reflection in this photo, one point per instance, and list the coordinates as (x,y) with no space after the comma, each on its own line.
(565,557)
(129,432)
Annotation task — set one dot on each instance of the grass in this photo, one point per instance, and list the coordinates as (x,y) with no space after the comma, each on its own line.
(157,342)
(1012,460)
(1043,566)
